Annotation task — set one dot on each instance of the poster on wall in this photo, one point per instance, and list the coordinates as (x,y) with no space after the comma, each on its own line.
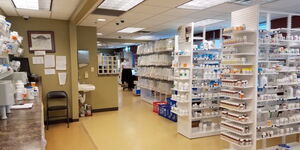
(41,41)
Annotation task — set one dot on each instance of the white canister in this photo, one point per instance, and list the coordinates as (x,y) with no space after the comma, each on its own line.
(19,94)
(30,94)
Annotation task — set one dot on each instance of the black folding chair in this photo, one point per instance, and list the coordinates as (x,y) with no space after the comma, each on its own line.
(60,96)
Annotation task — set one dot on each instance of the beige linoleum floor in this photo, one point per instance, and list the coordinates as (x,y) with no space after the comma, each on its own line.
(133,127)
(136,127)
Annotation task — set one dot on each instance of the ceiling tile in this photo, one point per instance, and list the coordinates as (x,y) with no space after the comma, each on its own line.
(132,17)
(148,9)
(34,13)
(177,12)
(91,20)
(63,9)
(8,8)
(225,8)
(165,3)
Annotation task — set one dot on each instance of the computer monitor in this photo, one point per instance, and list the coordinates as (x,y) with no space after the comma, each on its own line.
(25,67)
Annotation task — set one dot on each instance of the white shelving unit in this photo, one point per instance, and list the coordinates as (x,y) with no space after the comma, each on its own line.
(196,85)
(239,81)
(155,73)
(272,107)
(274,119)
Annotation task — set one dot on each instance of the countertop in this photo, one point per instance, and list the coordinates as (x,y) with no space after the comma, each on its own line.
(23,130)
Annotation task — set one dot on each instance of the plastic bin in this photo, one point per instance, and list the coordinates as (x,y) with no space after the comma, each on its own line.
(165,111)
(155,106)
(171,102)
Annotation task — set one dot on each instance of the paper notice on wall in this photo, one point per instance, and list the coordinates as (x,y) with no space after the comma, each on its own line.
(49,71)
(37,60)
(62,77)
(61,63)
(39,53)
(49,61)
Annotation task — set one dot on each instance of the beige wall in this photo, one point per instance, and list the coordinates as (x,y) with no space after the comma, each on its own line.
(105,95)
(62,44)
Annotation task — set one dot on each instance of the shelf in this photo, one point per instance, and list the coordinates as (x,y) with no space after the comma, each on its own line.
(205,133)
(278,125)
(154,65)
(236,98)
(178,114)
(157,52)
(238,87)
(236,121)
(277,147)
(208,79)
(180,90)
(181,67)
(292,83)
(153,78)
(237,64)
(152,89)
(238,145)
(180,101)
(187,79)
(271,44)
(278,110)
(240,44)
(236,110)
(240,54)
(234,131)
(279,135)
(277,99)
(238,74)
(5,74)
(206,87)
(184,55)
(195,68)
(268,73)
(268,61)
(209,107)
(205,117)
(239,32)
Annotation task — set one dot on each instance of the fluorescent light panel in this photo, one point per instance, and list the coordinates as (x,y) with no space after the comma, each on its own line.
(99,33)
(130,30)
(121,5)
(145,37)
(202,4)
(101,20)
(27,4)
(207,22)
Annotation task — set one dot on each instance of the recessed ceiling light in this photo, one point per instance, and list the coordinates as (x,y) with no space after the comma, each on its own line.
(130,30)
(202,4)
(121,5)
(26,4)
(207,22)
(101,20)
(99,33)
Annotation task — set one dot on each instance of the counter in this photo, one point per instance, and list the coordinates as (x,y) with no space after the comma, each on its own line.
(24,129)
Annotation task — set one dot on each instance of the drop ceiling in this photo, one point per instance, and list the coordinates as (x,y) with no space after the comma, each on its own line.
(61,9)
(162,17)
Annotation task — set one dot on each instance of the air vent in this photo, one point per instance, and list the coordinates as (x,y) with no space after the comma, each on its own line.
(144,32)
(108,12)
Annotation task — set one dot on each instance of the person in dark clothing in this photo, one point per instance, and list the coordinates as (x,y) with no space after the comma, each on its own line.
(126,74)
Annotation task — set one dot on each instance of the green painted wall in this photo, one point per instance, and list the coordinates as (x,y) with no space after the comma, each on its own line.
(106,94)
